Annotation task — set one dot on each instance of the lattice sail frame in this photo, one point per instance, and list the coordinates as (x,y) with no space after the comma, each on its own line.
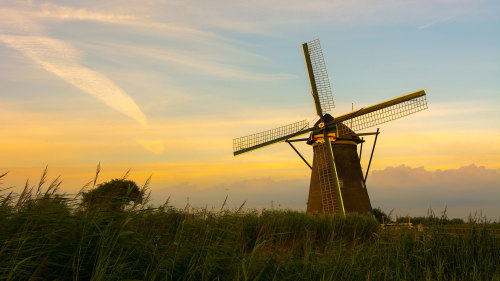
(267,136)
(321,76)
(327,179)
(383,115)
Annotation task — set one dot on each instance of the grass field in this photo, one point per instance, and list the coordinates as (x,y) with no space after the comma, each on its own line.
(46,236)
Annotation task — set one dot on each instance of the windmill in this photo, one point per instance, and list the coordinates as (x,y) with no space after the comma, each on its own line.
(337,182)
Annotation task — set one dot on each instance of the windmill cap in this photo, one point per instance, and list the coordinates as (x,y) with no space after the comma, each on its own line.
(326,118)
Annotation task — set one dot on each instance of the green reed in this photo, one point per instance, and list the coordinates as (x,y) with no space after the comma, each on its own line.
(48,236)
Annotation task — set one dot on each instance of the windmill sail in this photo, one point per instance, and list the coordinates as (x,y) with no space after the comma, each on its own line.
(327,179)
(382,112)
(318,77)
(254,141)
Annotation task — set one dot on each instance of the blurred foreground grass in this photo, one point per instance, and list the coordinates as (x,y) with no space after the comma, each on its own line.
(48,236)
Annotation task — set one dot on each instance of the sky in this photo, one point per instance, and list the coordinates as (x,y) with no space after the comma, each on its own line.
(162,87)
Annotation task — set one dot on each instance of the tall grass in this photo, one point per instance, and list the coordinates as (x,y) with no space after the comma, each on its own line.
(46,236)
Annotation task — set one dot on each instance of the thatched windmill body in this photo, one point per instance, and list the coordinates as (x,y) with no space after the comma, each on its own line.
(337,182)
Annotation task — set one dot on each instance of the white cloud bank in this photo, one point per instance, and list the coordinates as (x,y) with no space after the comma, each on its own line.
(406,190)
(414,190)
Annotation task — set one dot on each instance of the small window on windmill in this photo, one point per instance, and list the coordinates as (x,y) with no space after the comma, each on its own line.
(341,183)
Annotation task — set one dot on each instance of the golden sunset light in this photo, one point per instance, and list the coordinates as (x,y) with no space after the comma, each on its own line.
(163,91)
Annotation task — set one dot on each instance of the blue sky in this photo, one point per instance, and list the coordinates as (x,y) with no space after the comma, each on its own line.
(162,87)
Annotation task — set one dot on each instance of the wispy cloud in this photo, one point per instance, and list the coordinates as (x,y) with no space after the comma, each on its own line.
(68,13)
(51,11)
(208,65)
(435,22)
(62,60)
(155,146)
(194,59)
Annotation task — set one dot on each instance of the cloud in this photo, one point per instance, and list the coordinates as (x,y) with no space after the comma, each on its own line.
(267,17)
(213,44)
(207,64)
(194,18)
(463,190)
(51,11)
(68,13)
(154,146)
(257,193)
(435,22)
(17,22)
(62,60)
(406,190)
(470,177)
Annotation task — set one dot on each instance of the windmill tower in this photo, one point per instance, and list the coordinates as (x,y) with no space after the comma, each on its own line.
(337,182)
